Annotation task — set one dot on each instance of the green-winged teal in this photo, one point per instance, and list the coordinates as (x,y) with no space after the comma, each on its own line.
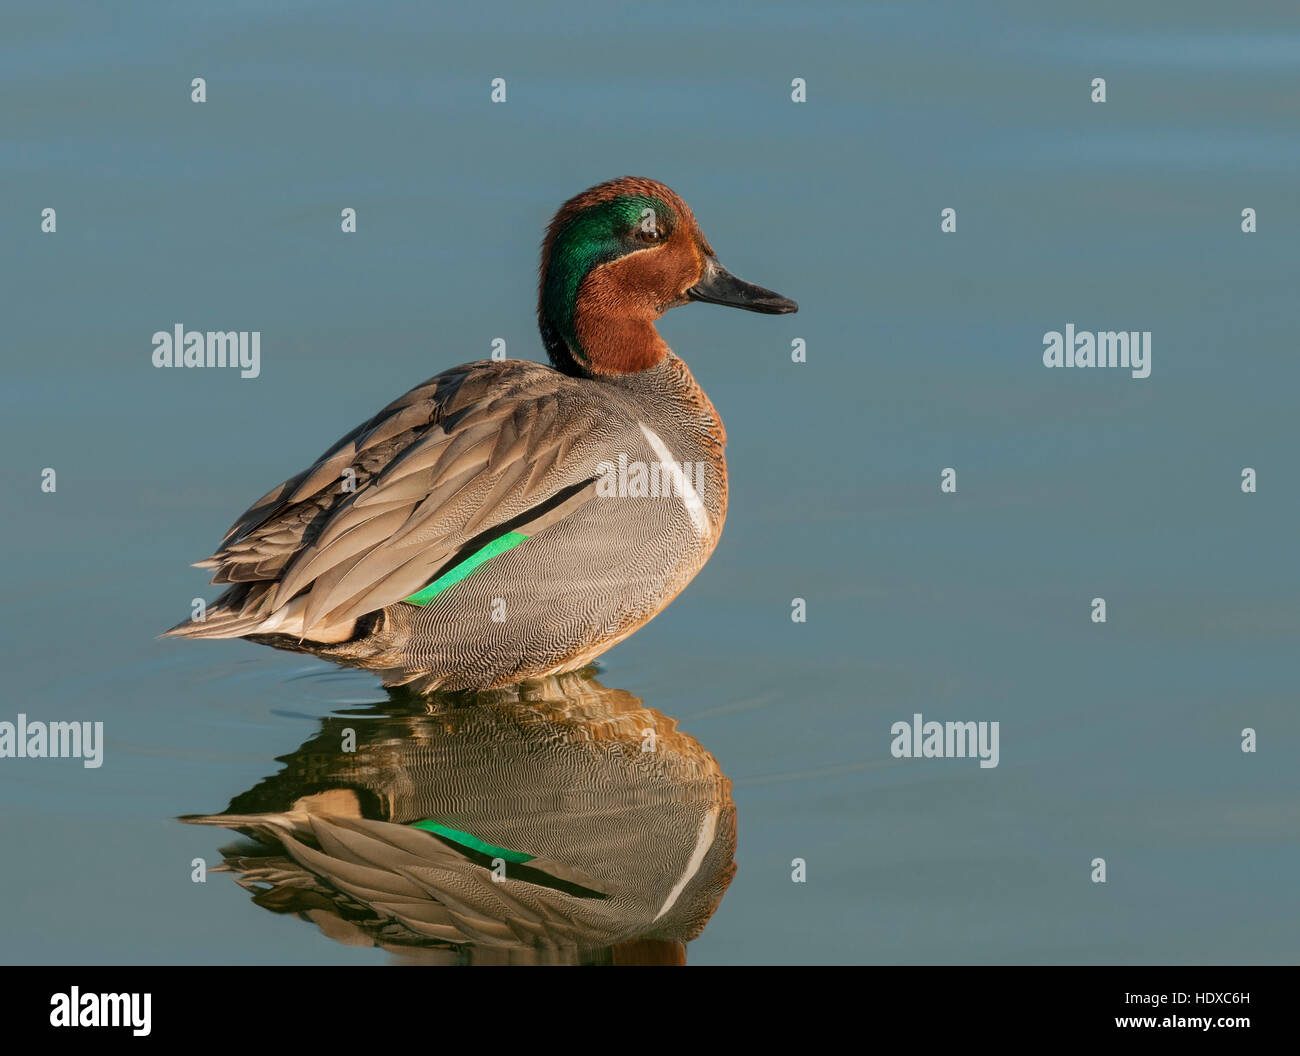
(507,520)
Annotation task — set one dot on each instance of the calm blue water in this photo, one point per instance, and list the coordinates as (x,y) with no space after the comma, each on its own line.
(1119,741)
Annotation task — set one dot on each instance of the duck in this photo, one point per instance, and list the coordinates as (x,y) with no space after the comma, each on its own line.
(508,520)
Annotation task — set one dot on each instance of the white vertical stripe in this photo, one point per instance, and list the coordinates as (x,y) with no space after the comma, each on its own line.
(681,482)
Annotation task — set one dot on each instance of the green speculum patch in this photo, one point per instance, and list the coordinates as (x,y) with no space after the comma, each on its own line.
(470,841)
(458,572)
(597,235)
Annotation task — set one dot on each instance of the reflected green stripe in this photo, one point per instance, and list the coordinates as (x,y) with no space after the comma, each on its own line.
(472,842)
(460,571)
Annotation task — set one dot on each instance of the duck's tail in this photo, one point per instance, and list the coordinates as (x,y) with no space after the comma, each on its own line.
(247,610)
(241,610)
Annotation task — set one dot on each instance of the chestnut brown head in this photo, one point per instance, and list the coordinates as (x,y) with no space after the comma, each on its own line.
(615,258)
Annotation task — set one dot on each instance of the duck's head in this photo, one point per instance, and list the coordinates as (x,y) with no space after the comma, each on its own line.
(615,258)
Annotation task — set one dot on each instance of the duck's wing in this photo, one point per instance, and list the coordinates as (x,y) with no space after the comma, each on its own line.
(474,452)
(436,887)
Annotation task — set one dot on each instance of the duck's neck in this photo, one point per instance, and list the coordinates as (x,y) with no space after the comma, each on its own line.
(603,343)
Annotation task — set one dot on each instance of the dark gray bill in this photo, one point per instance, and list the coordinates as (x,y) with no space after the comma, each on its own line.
(718,286)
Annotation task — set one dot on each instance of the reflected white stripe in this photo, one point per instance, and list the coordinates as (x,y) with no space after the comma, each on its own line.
(702,844)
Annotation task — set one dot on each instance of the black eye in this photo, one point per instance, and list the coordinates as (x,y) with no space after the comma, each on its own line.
(650,232)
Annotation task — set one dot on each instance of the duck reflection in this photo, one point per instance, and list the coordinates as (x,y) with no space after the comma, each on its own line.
(556,822)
